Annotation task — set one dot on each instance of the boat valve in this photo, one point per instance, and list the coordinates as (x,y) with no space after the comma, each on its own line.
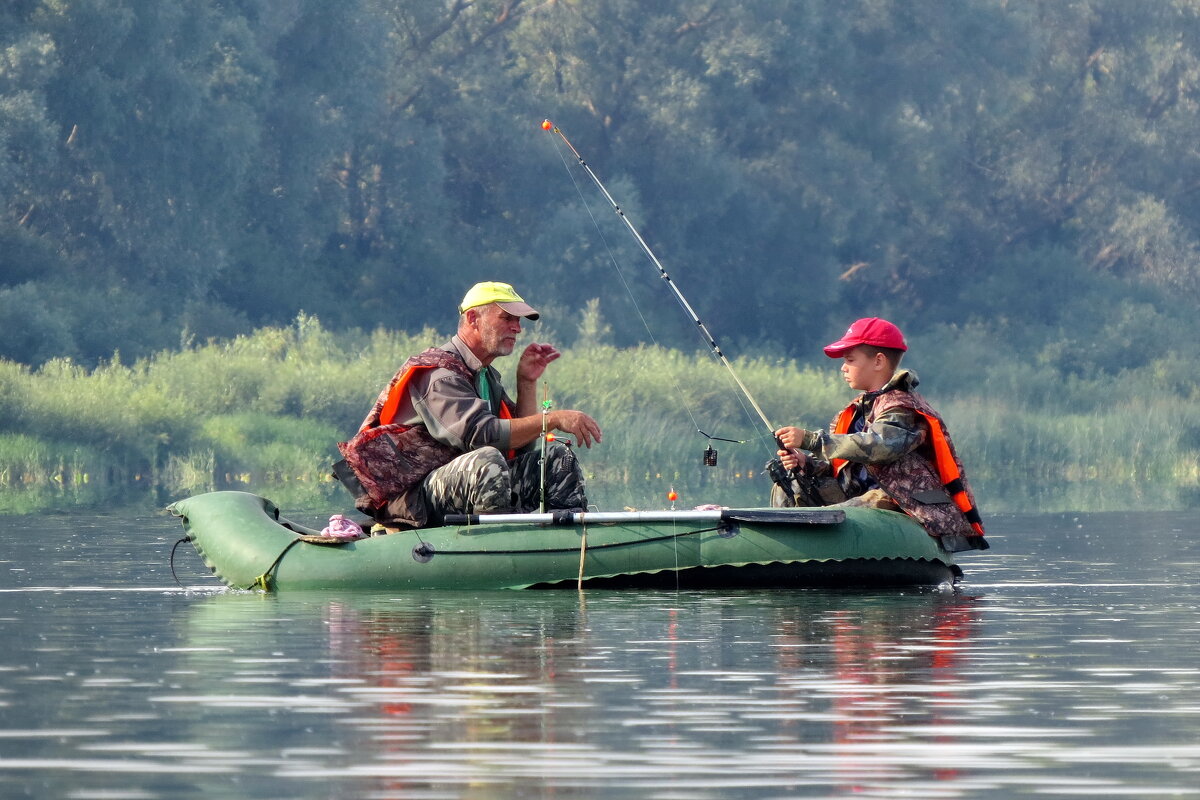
(423,553)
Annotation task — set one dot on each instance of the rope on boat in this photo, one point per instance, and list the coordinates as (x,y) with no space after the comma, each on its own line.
(582,556)
(263,581)
(173,549)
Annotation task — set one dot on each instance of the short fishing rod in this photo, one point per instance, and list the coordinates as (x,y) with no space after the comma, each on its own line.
(547,125)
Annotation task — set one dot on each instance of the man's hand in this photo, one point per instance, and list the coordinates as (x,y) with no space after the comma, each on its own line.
(526,429)
(534,361)
(578,424)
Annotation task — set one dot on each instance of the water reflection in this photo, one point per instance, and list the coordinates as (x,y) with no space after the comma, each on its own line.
(1065,665)
(650,693)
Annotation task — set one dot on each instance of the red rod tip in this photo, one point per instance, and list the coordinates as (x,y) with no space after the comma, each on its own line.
(547,125)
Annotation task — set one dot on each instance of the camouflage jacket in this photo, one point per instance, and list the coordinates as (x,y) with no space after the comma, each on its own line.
(897,451)
(448,401)
(890,433)
(391,460)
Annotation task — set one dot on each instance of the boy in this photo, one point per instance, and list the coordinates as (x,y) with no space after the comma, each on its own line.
(887,449)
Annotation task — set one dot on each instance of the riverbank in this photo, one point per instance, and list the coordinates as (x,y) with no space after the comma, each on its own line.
(263,412)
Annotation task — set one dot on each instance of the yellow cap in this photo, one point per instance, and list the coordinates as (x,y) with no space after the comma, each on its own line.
(503,294)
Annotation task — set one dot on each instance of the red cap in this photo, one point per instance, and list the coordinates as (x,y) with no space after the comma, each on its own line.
(869,330)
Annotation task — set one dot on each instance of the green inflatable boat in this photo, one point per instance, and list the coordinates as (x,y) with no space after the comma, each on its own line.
(247,544)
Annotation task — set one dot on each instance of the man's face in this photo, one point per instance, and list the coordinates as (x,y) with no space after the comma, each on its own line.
(498,330)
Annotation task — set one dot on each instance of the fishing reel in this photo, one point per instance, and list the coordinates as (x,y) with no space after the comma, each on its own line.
(710,455)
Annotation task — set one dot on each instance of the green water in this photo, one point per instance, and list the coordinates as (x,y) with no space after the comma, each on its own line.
(1064,664)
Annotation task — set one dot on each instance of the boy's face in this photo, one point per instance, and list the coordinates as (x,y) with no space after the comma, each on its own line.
(865,369)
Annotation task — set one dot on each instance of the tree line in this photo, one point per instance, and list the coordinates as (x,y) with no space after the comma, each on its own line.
(1022,172)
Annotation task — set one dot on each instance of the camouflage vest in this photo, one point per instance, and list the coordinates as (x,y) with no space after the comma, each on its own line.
(929,483)
(391,460)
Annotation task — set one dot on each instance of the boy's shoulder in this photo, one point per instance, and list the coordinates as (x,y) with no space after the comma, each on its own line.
(903,380)
(900,391)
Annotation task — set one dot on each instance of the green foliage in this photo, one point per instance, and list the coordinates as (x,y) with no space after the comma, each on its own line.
(175,171)
(35,329)
(38,473)
(986,173)
(264,412)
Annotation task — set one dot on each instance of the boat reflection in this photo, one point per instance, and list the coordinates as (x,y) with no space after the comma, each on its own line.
(567,690)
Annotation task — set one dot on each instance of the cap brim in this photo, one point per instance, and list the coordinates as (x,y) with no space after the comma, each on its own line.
(840,348)
(520,310)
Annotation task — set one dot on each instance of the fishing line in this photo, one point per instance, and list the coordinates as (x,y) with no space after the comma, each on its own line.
(708,337)
(675,543)
(620,274)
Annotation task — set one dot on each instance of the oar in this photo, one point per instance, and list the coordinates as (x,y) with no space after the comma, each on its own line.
(779,516)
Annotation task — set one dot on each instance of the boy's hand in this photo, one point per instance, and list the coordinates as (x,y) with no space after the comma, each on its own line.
(790,438)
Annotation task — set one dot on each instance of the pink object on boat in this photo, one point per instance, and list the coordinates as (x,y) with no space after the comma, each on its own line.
(341,528)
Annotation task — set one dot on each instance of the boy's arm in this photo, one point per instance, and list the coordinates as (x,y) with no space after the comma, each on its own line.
(893,434)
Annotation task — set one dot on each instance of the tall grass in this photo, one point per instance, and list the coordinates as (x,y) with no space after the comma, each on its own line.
(264,411)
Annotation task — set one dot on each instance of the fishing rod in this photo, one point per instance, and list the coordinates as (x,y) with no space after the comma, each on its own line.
(547,125)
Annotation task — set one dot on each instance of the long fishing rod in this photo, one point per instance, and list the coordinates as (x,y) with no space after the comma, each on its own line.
(547,125)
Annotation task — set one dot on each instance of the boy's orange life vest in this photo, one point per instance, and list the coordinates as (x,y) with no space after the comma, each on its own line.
(944,461)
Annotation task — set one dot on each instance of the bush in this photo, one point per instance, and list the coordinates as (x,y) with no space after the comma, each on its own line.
(264,411)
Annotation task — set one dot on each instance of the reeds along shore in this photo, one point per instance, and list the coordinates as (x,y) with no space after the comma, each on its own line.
(262,412)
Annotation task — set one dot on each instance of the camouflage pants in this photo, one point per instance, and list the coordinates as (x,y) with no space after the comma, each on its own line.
(823,491)
(873,498)
(484,482)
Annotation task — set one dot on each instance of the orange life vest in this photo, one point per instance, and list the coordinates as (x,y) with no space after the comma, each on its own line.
(944,461)
(381,478)
(391,406)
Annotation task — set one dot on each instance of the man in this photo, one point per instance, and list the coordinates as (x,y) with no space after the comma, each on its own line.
(444,437)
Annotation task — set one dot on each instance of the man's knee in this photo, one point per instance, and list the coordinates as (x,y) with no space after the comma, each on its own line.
(475,482)
(561,458)
(486,473)
(486,462)
(565,485)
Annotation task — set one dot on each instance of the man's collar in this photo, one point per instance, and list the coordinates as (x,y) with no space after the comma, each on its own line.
(469,358)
